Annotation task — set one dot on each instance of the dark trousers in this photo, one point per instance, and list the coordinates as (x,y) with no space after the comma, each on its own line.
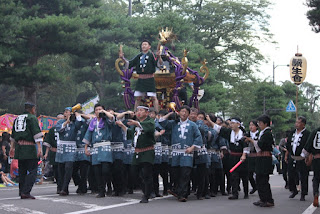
(26,180)
(160,169)
(227,174)
(252,180)
(216,179)
(263,187)
(117,176)
(201,180)
(235,181)
(146,177)
(93,184)
(103,175)
(181,179)
(80,172)
(300,170)
(284,170)
(65,174)
(129,179)
(316,176)
(56,172)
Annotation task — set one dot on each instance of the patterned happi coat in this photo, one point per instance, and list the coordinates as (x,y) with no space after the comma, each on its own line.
(201,155)
(80,152)
(181,141)
(66,144)
(99,137)
(215,145)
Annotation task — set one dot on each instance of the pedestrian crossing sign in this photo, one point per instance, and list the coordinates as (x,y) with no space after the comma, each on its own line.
(291,107)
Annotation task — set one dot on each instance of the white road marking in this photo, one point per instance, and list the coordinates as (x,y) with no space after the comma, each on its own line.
(66,201)
(14,209)
(310,209)
(133,201)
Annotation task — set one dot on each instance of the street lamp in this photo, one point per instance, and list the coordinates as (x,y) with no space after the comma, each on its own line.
(275,66)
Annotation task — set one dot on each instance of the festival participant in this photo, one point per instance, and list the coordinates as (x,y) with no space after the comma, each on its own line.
(238,151)
(311,152)
(27,148)
(217,146)
(129,178)
(264,166)
(202,162)
(254,134)
(296,164)
(82,161)
(157,166)
(283,150)
(185,138)
(145,65)
(66,148)
(143,139)
(50,142)
(98,137)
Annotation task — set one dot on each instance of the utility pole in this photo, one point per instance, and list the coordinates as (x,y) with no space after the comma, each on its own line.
(130,8)
(274,68)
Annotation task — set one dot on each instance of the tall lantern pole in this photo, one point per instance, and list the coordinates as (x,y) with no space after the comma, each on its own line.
(298,72)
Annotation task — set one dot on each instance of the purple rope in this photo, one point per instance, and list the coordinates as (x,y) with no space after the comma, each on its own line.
(128,93)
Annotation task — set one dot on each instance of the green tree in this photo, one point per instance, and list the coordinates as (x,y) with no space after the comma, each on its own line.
(44,28)
(314,14)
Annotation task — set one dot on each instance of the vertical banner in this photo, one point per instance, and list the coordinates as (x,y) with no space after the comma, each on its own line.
(88,106)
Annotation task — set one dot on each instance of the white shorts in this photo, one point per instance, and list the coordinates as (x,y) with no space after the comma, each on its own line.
(142,94)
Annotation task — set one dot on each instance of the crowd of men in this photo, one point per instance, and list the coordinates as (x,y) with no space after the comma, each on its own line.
(109,152)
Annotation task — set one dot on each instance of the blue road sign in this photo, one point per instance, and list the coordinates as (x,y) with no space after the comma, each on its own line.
(291,107)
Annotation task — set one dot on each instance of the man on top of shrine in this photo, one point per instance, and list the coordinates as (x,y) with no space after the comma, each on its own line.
(145,65)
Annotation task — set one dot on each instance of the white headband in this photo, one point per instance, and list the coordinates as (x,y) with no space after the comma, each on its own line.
(235,121)
(143,107)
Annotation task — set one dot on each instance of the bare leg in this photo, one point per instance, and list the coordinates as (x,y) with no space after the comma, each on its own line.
(137,103)
(4,180)
(155,103)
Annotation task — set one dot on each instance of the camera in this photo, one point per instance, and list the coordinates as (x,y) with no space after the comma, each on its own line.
(127,116)
(102,115)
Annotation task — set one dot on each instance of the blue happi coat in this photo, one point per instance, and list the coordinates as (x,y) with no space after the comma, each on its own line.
(181,141)
(99,138)
(201,155)
(158,145)
(117,145)
(66,144)
(80,154)
(215,145)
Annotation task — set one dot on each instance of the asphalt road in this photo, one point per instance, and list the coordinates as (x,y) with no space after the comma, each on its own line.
(47,202)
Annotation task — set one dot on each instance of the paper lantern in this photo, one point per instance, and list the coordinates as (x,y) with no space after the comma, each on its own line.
(298,68)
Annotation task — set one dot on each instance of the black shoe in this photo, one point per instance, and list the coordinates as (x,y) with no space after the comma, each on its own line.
(182,199)
(144,200)
(207,197)
(213,194)
(23,196)
(253,191)
(257,203)
(158,195)
(58,192)
(267,204)
(293,195)
(109,192)
(63,193)
(233,197)
(130,191)
(246,196)
(165,193)
(302,198)
(101,195)
(173,193)
(224,193)
(152,195)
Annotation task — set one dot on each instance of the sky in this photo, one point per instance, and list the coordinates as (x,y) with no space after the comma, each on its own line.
(291,28)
